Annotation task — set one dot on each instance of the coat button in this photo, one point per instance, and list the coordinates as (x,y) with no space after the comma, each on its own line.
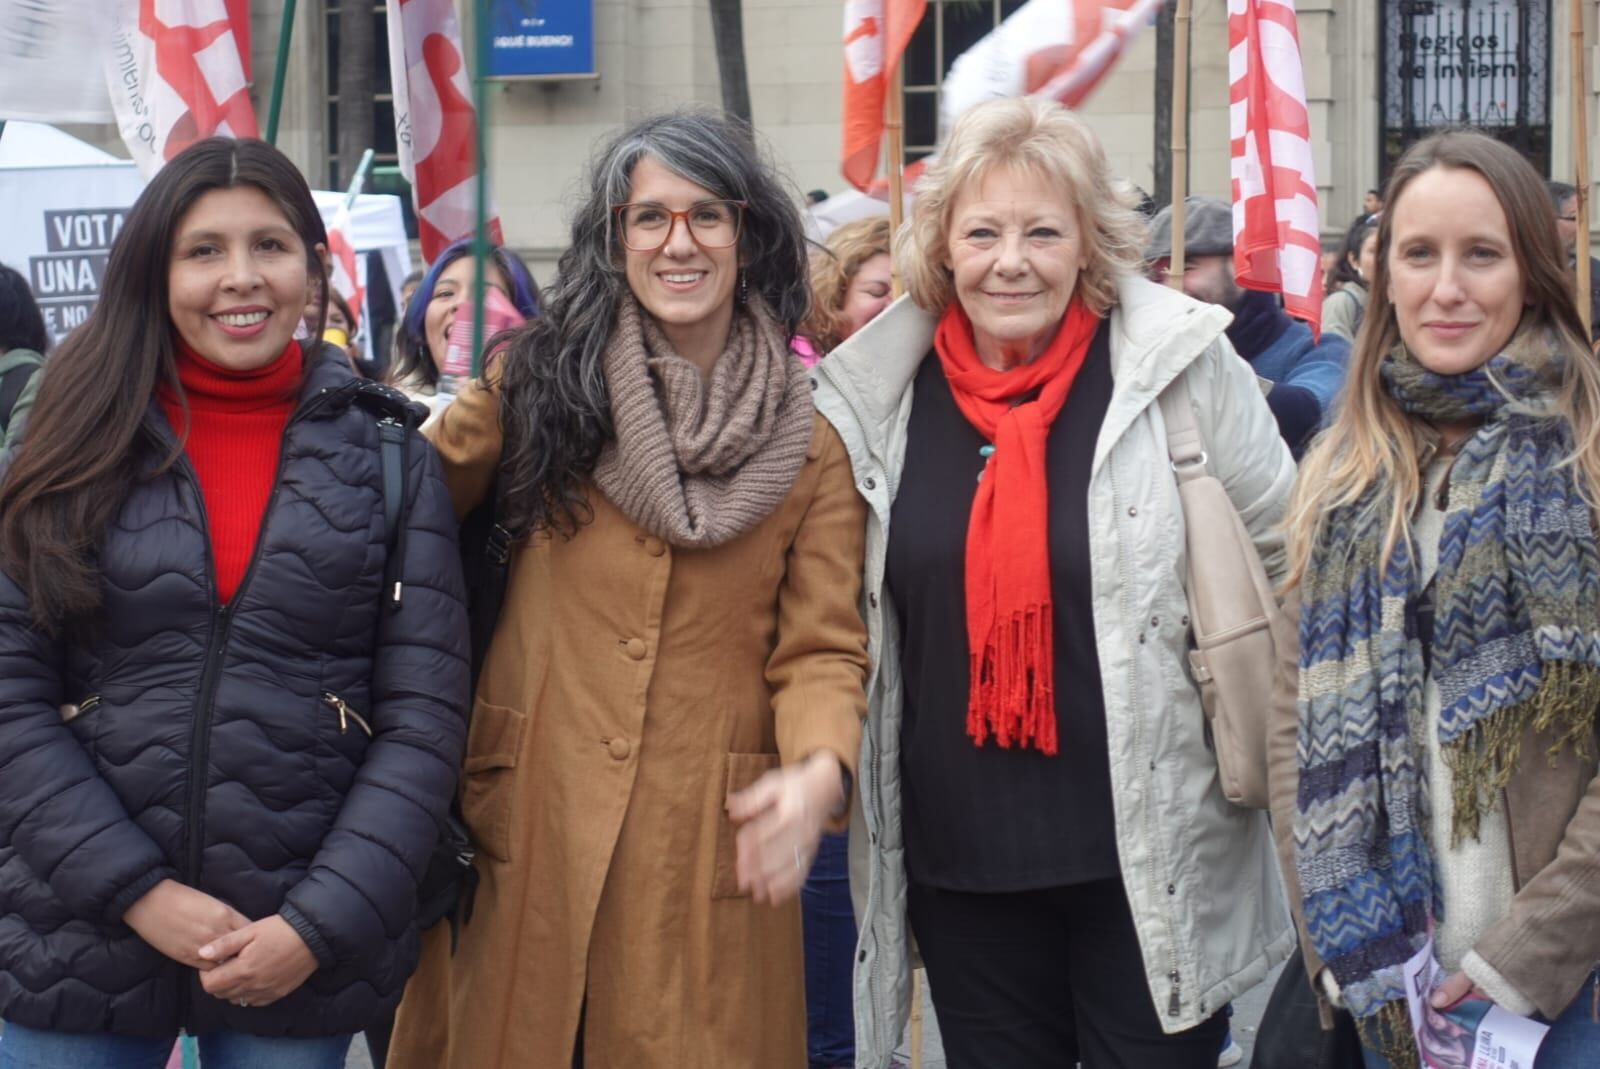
(654,546)
(872,599)
(870,483)
(813,383)
(619,749)
(635,648)
(1133,510)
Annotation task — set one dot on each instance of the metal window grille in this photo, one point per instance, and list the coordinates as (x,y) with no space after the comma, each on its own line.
(948,29)
(385,151)
(1478,63)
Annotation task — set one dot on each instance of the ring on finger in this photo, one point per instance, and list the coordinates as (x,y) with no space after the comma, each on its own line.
(244,1002)
(799,862)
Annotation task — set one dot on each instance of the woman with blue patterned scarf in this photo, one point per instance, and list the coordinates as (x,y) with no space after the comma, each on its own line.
(1434,744)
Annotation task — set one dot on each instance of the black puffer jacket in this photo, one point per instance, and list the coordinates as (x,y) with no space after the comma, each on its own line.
(210,750)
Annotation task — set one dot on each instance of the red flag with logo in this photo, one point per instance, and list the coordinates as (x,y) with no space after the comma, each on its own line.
(1276,236)
(345,278)
(436,127)
(178,73)
(876,33)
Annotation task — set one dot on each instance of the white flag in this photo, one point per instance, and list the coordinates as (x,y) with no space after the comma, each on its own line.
(176,77)
(46,48)
(1055,49)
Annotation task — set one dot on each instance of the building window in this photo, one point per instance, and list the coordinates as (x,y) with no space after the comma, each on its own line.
(1478,63)
(384,177)
(949,28)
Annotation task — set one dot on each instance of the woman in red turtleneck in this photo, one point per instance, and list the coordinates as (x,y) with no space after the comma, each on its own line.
(233,669)
(231,432)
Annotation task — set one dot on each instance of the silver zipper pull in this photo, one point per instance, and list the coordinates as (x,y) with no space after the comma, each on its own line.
(339,707)
(346,714)
(1174,1006)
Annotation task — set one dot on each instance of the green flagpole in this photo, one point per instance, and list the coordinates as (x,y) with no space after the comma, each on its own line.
(280,68)
(359,181)
(480,106)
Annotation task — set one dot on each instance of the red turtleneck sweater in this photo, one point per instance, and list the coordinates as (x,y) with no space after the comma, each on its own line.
(236,423)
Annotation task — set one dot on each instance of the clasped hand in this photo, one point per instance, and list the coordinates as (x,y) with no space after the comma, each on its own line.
(255,963)
(781,817)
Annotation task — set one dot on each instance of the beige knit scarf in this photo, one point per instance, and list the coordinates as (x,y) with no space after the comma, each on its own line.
(699,461)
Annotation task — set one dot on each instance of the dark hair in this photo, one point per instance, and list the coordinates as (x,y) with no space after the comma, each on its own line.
(21,323)
(412,360)
(1560,193)
(554,404)
(337,300)
(1354,238)
(73,468)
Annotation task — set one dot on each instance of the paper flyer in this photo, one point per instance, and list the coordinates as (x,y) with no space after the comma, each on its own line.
(1472,1034)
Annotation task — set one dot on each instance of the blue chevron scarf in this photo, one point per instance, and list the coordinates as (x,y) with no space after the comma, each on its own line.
(1516,643)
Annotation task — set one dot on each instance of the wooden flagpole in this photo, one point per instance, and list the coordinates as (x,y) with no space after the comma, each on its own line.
(1580,154)
(894,126)
(1180,137)
(279,70)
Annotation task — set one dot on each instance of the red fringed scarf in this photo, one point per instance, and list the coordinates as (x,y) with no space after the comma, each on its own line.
(1009,623)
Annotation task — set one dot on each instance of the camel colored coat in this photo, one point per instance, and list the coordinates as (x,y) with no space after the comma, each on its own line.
(630,687)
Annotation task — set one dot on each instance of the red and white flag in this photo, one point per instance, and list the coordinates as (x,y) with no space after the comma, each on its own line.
(345,278)
(178,72)
(1276,243)
(1056,49)
(436,127)
(876,33)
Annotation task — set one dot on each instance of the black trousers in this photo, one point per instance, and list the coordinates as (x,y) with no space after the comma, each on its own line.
(1045,980)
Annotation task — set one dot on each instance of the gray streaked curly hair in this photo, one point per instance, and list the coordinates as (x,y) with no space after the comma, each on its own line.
(555,408)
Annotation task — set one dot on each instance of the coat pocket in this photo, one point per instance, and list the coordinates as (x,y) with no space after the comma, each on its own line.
(488,786)
(742,770)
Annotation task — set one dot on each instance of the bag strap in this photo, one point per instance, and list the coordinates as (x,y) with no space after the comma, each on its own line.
(1185,448)
(391,446)
(396,416)
(13,381)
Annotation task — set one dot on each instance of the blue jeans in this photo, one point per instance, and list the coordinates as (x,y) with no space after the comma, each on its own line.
(830,930)
(28,1048)
(1573,1039)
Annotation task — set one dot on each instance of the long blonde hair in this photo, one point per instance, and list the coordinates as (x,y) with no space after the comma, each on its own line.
(1371,442)
(833,268)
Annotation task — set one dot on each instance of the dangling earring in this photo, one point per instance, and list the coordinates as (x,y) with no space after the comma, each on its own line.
(744,287)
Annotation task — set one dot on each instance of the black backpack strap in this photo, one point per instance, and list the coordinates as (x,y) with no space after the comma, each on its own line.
(396,417)
(392,440)
(12,383)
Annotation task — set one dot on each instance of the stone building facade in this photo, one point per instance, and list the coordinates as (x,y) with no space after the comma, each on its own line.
(1368,64)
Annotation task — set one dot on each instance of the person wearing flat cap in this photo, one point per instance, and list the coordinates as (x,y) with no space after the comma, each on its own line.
(1304,374)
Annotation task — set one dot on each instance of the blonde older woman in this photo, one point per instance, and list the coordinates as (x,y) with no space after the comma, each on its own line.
(1040,806)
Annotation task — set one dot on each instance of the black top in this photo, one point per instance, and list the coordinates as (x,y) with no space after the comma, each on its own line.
(988,819)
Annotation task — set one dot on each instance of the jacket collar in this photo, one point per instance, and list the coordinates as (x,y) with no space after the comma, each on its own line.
(328,380)
(1157,333)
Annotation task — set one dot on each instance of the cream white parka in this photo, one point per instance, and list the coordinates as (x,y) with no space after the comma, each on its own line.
(1201,877)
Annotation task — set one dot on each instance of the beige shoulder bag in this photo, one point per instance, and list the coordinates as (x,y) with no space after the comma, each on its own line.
(1233,611)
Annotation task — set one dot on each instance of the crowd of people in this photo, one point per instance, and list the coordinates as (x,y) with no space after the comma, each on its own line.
(825,636)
